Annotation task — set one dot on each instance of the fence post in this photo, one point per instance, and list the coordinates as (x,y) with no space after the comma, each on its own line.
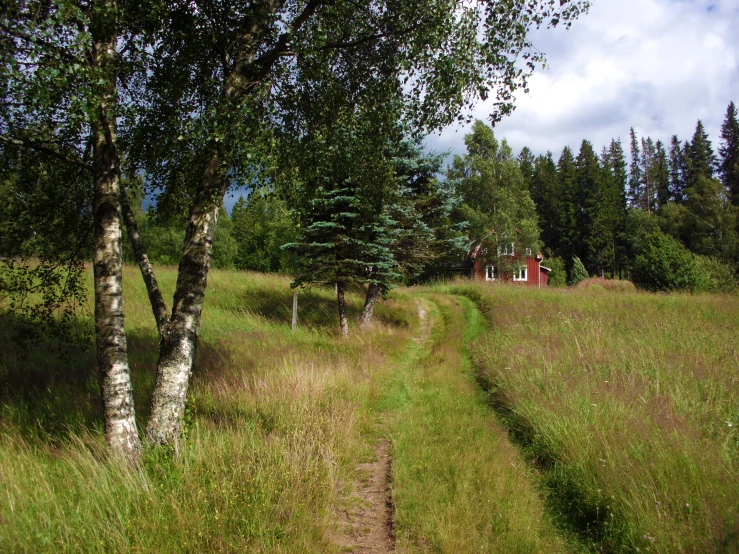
(295,310)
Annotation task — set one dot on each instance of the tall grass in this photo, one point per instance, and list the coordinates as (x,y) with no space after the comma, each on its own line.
(459,485)
(274,424)
(629,403)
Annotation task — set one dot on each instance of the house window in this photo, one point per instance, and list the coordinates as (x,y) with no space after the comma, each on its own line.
(506,250)
(490,273)
(528,251)
(519,274)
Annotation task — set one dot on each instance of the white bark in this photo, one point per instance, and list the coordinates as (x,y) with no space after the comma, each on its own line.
(343,321)
(373,295)
(112,351)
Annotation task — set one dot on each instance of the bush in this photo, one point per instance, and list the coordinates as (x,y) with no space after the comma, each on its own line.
(663,264)
(713,276)
(578,272)
(558,275)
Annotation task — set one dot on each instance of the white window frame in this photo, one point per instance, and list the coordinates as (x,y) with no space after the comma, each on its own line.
(503,250)
(528,251)
(519,274)
(490,273)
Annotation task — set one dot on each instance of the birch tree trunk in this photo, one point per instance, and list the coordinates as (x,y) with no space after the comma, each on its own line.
(343,321)
(373,295)
(179,337)
(112,353)
(158,306)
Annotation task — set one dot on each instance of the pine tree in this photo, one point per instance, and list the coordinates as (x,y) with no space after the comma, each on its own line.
(635,171)
(729,152)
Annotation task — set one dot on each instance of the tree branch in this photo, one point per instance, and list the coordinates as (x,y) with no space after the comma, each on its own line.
(27,143)
(32,39)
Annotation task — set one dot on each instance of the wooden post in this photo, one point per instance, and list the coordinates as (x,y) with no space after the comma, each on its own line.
(295,310)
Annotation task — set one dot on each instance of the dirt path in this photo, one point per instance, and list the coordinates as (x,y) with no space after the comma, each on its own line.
(369,527)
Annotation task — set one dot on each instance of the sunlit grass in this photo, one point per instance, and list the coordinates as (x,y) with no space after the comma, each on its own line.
(629,402)
(459,484)
(274,424)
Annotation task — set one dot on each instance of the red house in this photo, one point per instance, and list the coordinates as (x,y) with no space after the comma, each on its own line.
(527,267)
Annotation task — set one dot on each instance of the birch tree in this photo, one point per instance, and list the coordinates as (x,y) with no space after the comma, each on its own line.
(60,99)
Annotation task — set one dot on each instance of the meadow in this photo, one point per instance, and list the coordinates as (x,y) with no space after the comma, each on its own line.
(627,403)
(515,421)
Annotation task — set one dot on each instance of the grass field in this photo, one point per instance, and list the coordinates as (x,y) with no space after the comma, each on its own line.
(628,403)
(518,421)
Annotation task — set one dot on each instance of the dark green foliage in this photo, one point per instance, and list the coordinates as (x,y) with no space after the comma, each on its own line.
(526,161)
(589,193)
(677,171)
(495,198)
(577,273)
(663,264)
(635,171)
(701,161)
(660,176)
(729,152)
(420,206)
(45,236)
(337,243)
(544,182)
(568,206)
(261,225)
(711,225)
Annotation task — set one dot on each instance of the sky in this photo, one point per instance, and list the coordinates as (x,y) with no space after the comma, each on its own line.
(656,65)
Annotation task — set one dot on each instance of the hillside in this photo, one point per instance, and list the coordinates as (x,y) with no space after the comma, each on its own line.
(467,419)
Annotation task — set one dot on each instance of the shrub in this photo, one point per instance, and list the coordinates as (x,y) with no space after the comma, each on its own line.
(663,264)
(578,272)
(558,275)
(713,276)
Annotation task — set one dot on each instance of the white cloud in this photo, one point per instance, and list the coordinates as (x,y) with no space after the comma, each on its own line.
(656,65)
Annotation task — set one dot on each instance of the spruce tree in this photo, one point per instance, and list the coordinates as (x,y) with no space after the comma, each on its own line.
(567,192)
(339,245)
(635,171)
(661,176)
(647,191)
(526,162)
(729,152)
(588,198)
(677,171)
(701,157)
(548,206)
(620,180)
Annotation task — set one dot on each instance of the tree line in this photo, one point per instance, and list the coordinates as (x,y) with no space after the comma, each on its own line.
(107,101)
(609,210)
